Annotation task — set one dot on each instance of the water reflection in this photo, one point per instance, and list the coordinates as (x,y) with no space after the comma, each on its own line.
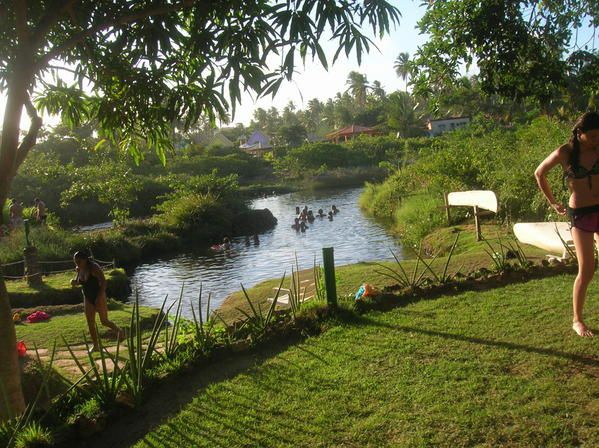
(354,236)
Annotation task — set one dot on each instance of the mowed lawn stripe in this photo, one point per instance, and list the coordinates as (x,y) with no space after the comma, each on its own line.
(499,367)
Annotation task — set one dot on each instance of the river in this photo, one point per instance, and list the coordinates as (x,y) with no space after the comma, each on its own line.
(354,236)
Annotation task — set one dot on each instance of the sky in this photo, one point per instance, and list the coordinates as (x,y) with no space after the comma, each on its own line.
(313,81)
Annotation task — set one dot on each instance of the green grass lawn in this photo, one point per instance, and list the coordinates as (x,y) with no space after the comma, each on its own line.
(497,368)
(73,326)
(56,289)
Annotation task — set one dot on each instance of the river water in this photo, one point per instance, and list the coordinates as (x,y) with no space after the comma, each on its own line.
(354,236)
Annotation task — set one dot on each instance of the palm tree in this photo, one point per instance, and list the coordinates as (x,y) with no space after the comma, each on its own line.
(378,91)
(358,86)
(403,67)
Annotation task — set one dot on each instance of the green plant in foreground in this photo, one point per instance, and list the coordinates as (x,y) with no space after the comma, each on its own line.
(140,352)
(319,287)
(204,330)
(106,383)
(444,277)
(34,435)
(500,257)
(258,323)
(171,340)
(404,280)
(571,253)
(23,431)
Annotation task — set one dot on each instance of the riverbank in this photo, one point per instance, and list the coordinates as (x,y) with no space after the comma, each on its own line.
(134,241)
(468,256)
(484,156)
(56,289)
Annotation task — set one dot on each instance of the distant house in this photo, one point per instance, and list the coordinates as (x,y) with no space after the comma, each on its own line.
(257,144)
(349,132)
(438,127)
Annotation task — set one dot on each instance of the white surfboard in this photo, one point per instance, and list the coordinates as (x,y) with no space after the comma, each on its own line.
(484,199)
(544,235)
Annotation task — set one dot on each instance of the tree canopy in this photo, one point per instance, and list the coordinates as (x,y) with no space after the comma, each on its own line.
(523,49)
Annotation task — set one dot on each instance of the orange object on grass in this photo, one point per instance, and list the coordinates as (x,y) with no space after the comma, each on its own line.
(370,291)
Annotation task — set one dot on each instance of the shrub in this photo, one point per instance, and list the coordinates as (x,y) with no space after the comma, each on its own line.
(482,156)
(417,217)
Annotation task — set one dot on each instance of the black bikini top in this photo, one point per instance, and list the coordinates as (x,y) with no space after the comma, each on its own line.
(580,172)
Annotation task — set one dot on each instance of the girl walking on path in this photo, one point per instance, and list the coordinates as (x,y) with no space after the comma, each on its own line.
(579,159)
(93,283)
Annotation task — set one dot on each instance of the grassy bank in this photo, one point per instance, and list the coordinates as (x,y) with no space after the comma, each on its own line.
(485,156)
(474,369)
(469,256)
(197,222)
(57,290)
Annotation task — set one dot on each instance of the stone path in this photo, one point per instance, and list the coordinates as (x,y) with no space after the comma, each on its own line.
(63,360)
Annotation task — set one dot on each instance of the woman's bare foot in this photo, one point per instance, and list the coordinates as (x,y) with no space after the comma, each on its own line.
(581,329)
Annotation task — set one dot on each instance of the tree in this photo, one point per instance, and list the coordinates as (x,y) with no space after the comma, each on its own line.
(378,92)
(291,135)
(148,64)
(519,46)
(358,86)
(400,112)
(403,67)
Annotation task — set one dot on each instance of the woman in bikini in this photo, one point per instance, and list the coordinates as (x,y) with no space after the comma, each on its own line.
(93,283)
(579,159)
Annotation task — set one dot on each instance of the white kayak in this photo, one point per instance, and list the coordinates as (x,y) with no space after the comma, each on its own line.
(484,199)
(544,235)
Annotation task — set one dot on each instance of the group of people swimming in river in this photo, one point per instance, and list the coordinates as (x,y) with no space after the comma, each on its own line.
(306,215)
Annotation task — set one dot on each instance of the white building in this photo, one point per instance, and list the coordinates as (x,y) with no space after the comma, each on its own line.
(438,127)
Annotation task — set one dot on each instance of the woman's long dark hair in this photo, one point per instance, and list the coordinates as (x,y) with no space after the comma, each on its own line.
(587,122)
(84,255)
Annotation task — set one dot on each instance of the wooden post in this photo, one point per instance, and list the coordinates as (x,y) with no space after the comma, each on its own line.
(27,229)
(32,268)
(447,208)
(477,224)
(330,285)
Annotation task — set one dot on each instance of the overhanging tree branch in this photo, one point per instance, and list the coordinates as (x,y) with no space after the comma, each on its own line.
(31,137)
(50,19)
(119,21)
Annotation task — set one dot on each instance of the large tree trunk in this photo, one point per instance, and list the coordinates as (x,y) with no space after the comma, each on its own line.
(11,393)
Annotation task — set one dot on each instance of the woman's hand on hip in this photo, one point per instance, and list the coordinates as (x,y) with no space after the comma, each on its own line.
(559,208)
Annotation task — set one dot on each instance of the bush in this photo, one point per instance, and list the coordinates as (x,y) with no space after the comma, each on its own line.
(417,217)
(482,156)
(196,213)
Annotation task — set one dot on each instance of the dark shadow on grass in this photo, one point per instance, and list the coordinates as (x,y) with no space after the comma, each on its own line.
(170,396)
(589,361)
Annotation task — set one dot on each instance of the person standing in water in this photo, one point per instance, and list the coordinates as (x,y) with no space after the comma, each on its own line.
(93,284)
(579,159)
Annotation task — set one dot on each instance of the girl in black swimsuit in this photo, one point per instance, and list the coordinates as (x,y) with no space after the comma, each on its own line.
(579,159)
(93,284)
